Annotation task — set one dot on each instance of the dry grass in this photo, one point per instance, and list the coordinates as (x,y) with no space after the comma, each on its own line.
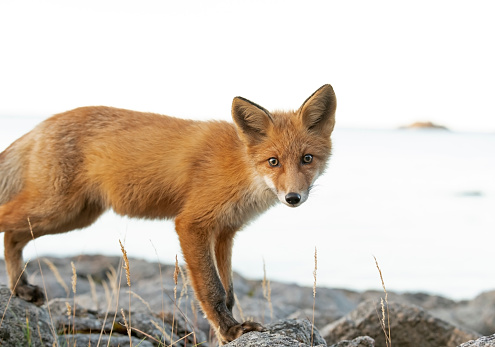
(385,317)
(314,295)
(94,296)
(176,277)
(74,291)
(42,278)
(128,278)
(57,275)
(238,305)
(267,292)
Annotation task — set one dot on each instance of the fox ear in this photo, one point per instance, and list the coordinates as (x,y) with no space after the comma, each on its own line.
(318,111)
(252,120)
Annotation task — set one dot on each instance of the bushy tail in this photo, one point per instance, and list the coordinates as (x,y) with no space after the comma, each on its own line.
(11,171)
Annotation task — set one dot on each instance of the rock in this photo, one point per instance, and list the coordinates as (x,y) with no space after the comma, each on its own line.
(409,326)
(297,329)
(293,301)
(477,314)
(257,339)
(361,341)
(84,340)
(154,329)
(286,333)
(485,341)
(23,323)
(101,289)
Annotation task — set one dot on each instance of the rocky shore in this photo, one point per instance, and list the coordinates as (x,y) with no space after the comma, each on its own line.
(160,312)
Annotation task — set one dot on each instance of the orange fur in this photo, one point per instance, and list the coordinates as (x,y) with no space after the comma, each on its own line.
(212,177)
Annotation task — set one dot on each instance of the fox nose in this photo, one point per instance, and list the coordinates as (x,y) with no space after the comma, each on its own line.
(293,198)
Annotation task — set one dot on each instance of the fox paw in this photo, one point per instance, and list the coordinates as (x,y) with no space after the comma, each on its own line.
(30,293)
(239,329)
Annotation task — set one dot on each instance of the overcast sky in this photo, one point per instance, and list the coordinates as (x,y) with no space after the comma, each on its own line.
(390,62)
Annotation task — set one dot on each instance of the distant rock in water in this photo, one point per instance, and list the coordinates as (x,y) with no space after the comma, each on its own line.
(424,125)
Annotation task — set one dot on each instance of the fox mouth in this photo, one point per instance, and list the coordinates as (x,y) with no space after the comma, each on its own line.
(291,199)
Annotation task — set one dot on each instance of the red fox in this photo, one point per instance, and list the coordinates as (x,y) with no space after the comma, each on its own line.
(213,177)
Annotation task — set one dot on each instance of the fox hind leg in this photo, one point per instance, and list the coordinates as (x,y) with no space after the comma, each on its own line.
(14,242)
(23,222)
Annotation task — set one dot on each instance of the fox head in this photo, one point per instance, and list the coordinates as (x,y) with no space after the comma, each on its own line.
(289,150)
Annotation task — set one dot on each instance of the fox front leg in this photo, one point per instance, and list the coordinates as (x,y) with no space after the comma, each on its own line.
(198,247)
(223,254)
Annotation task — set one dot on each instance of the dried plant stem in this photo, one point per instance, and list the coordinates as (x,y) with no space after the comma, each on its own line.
(43,280)
(176,277)
(115,280)
(314,295)
(161,281)
(238,304)
(12,294)
(385,316)
(57,275)
(92,287)
(142,300)
(267,291)
(74,285)
(127,326)
(128,278)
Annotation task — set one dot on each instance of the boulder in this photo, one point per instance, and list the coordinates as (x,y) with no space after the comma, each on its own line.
(84,340)
(409,325)
(285,333)
(85,327)
(477,314)
(23,323)
(361,341)
(484,341)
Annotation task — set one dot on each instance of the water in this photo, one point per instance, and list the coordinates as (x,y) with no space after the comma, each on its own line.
(422,202)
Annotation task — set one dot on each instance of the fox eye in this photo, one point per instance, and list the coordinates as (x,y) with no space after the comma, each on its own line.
(307,158)
(273,161)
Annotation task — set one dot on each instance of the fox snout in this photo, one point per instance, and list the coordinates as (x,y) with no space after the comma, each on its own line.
(291,199)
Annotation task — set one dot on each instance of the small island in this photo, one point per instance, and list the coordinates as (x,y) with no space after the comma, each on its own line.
(424,125)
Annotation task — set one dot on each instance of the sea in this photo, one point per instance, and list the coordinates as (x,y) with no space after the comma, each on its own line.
(420,202)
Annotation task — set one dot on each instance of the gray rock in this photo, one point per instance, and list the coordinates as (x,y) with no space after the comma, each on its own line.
(155,329)
(361,341)
(264,339)
(293,301)
(477,314)
(297,329)
(85,340)
(485,341)
(23,323)
(409,326)
(286,333)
